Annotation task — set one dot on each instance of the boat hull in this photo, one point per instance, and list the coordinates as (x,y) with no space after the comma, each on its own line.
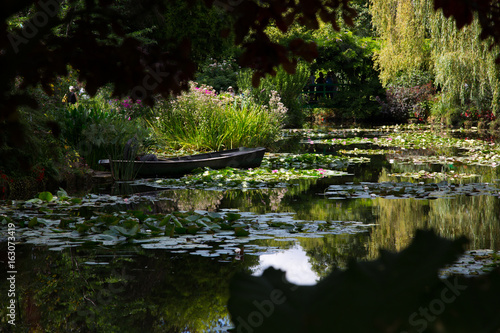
(179,166)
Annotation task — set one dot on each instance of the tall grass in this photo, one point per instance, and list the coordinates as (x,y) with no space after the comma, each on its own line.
(98,132)
(203,120)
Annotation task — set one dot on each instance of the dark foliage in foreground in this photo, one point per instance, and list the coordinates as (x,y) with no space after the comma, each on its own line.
(400,292)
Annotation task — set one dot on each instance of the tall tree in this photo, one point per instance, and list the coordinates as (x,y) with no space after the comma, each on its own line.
(403,34)
(416,37)
(464,64)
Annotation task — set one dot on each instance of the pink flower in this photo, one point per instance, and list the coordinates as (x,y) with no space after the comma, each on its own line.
(274,171)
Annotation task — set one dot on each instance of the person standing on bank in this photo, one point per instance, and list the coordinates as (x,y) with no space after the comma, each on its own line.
(72,98)
(320,88)
(330,81)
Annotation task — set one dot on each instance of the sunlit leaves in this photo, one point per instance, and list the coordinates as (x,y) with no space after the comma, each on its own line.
(409,146)
(243,179)
(308,161)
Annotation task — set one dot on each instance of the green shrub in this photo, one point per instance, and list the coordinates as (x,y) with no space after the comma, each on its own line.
(107,137)
(350,58)
(219,74)
(99,129)
(288,86)
(203,120)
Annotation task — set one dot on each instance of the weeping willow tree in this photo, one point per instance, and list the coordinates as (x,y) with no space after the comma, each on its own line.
(405,45)
(417,38)
(464,65)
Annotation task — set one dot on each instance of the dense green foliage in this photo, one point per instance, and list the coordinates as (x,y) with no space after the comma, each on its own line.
(202,119)
(418,46)
(416,40)
(100,129)
(219,75)
(349,56)
(350,59)
(288,86)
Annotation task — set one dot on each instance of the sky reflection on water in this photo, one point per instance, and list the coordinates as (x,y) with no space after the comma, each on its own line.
(293,261)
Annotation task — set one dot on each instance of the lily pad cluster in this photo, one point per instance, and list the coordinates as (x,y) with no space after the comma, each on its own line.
(398,190)
(243,179)
(358,151)
(423,174)
(47,202)
(56,222)
(473,263)
(491,160)
(437,147)
(310,161)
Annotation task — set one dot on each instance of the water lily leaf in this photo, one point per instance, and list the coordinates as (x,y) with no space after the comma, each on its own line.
(152,227)
(214,215)
(109,219)
(45,196)
(241,232)
(132,232)
(83,227)
(166,220)
(62,194)
(33,222)
(180,230)
(129,224)
(239,225)
(225,226)
(214,226)
(34,201)
(232,216)
(138,214)
(192,229)
(193,218)
(201,223)
(177,223)
(76,200)
(170,229)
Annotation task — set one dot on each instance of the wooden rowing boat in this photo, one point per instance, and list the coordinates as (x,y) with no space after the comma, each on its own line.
(177,166)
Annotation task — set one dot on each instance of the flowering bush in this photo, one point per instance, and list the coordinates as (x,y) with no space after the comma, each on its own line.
(203,119)
(130,109)
(476,115)
(406,102)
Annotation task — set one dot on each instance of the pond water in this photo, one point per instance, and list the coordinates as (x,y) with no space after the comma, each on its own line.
(123,259)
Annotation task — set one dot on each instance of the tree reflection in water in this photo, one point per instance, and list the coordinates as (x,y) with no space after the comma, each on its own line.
(120,290)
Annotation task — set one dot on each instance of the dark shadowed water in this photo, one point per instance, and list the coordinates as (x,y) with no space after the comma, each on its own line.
(82,285)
